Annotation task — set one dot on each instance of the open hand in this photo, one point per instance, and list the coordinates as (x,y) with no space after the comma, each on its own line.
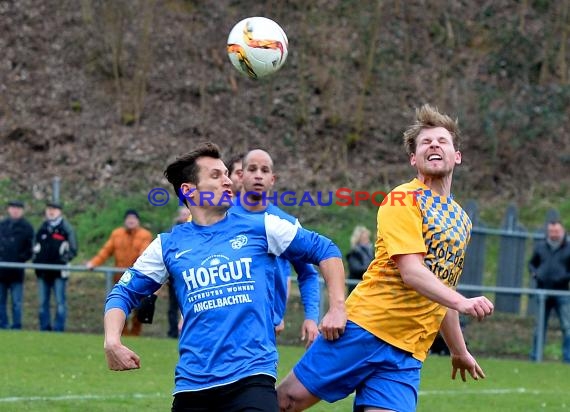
(463,363)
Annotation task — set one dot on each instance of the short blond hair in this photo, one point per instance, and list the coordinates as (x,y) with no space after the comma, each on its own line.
(428,117)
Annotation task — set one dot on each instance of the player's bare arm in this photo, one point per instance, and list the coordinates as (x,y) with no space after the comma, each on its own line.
(461,359)
(334,321)
(119,357)
(416,275)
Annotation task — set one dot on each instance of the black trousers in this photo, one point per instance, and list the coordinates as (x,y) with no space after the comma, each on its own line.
(172,311)
(253,394)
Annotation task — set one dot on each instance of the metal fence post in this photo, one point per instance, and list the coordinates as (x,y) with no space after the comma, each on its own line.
(56,188)
(474,263)
(511,261)
(322,296)
(540,321)
(108,280)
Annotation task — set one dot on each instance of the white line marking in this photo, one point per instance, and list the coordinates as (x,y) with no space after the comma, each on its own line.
(83,397)
(496,391)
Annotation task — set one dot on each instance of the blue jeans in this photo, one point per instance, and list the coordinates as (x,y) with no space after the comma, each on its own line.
(45,287)
(561,305)
(16,290)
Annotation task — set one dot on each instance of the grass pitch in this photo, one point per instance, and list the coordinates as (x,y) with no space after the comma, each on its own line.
(67,372)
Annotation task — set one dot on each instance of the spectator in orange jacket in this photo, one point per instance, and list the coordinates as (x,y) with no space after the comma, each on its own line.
(125,244)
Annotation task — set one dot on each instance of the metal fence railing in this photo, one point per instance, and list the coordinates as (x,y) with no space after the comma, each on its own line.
(107,270)
(540,294)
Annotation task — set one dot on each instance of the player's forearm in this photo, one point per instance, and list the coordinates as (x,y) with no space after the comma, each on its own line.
(333,273)
(423,281)
(451,331)
(113,322)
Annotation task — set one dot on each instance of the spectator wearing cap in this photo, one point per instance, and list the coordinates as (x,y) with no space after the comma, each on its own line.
(125,244)
(56,244)
(16,241)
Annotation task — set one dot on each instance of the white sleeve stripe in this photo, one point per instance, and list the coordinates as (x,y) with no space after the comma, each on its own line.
(151,262)
(280,233)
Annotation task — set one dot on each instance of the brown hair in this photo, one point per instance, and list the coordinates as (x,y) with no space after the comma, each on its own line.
(185,170)
(230,164)
(428,117)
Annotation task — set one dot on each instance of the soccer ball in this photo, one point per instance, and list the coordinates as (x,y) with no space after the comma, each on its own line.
(257,47)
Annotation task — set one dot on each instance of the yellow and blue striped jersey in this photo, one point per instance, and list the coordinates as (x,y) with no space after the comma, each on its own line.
(413,219)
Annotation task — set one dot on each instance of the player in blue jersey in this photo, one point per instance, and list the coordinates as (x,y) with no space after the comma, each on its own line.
(222,266)
(257,182)
(235,172)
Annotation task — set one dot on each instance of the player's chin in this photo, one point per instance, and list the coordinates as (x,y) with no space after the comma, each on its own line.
(256,194)
(222,207)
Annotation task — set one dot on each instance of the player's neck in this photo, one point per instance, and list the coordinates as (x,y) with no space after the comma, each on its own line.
(438,184)
(254,203)
(207,216)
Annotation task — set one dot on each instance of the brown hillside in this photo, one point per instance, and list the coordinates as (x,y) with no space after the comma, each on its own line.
(105,93)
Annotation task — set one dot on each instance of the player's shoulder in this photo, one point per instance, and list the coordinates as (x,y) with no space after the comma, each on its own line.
(277,211)
(238,213)
(410,187)
(405,194)
(238,221)
(269,219)
(175,230)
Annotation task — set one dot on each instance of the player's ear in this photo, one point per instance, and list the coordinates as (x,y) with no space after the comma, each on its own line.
(187,190)
(413,159)
(457,157)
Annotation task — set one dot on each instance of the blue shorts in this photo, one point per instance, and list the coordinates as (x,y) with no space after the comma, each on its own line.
(382,375)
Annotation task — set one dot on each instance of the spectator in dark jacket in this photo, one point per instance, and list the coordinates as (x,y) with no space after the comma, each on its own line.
(55,244)
(550,268)
(360,255)
(16,239)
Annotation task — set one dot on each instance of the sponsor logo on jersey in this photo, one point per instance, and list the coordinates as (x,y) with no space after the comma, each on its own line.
(238,242)
(181,252)
(217,271)
(221,302)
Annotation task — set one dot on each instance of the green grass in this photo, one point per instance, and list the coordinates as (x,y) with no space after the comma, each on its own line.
(67,372)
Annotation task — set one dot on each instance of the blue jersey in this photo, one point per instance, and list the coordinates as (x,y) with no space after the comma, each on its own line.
(223,276)
(307,275)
